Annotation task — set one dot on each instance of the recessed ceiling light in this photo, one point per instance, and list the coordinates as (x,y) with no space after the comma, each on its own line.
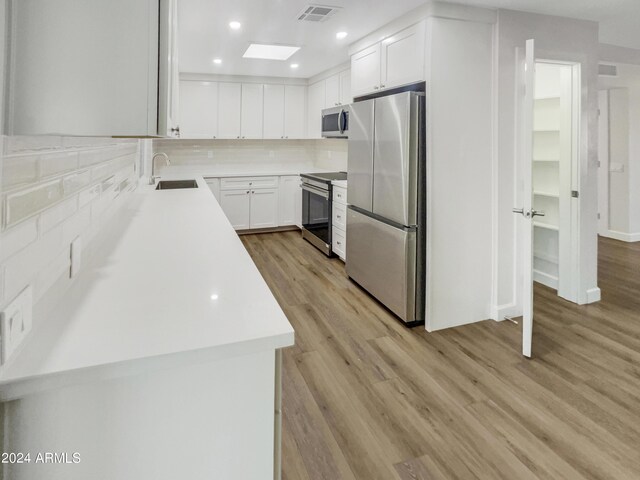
(234,25)
(214,296)
(341,35)
(217,61)
(270,52)
(294,65)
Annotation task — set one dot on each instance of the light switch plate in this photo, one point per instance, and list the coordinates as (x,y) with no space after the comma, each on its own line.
(15,322)
(76,256)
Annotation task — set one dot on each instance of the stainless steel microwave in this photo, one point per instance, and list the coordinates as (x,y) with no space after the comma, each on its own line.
(335,122)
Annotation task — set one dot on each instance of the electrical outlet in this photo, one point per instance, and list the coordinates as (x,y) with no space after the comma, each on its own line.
(76,255)
(15,322)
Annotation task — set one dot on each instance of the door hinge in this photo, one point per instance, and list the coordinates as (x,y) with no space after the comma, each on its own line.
(575,193)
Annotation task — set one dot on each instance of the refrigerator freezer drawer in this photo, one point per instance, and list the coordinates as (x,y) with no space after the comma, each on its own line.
(382,259)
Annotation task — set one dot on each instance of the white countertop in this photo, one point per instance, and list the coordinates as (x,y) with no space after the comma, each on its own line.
(172,282)
(237,170)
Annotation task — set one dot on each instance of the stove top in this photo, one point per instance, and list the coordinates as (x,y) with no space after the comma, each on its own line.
(326,177)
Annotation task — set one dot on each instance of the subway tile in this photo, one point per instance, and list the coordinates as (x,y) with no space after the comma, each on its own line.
(76,225)
(15,239)
(88,194)
(75,181)
(20,143)
(55,215)
(19,170)
(58,268)
(58,163)
(24,203)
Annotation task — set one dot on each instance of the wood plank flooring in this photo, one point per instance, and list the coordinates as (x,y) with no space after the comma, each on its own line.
(366,398)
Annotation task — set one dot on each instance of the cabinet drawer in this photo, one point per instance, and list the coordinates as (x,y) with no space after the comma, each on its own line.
(339,216)
(340,195)
(339,241)
(232,183)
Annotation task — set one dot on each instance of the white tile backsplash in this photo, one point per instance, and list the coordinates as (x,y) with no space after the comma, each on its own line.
(53,190)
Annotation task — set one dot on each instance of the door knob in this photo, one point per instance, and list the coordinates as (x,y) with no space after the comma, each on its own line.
(518,210)
(535,213)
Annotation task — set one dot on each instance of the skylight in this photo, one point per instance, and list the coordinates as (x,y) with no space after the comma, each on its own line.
(270,52)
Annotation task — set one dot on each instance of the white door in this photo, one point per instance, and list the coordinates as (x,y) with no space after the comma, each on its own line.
(402,57)
(251,117)
(295,99)
(365,71)
(288,198)
(526,212)
(229,104)
(332,91)
(264,208)
(236,205)
(198,109)
(316,104)
(345,87)
(273,118)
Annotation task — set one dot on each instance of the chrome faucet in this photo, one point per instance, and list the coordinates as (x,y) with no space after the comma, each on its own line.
(152,178)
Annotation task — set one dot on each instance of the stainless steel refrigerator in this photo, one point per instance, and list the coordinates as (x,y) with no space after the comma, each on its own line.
(387,201)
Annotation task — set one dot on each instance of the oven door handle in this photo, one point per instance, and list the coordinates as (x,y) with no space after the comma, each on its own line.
(341,121)
(315,190)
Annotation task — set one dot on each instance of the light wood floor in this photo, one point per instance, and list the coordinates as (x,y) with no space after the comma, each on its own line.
(366,398)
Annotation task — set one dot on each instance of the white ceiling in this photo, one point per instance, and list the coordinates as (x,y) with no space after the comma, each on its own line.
(204,32)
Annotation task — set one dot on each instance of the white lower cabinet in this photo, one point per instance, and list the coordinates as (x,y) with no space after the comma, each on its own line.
(290,198)
(236,205)
(259,202)
(264,208)
(339,222)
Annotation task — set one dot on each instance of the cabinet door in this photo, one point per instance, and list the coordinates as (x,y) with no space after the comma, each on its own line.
(274,111)
(252,98)
(236,205)
(345,88)
(365,71)
(229,101)
(332,91)
(264,208)
(289,200)
(316,104)
(198,109)
(403,57)
(214,186)
(295,97)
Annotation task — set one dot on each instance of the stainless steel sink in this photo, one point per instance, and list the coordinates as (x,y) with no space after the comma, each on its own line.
(174,184)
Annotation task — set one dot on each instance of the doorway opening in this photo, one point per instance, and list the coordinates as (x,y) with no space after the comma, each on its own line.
(555,177)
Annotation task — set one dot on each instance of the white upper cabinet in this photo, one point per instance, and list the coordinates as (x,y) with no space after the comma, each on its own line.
(274,111)
(332,91)
(198,109)
(365,70)
(91,68)
(397,60)
(294,111)
(345,87)
(316,104)
(251,112)
(402,57)
(229,109)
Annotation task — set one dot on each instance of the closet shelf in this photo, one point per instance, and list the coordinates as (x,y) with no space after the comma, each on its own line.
(546,226)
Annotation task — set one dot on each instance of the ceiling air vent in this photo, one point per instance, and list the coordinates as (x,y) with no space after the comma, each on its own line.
(317,13)
(607,70)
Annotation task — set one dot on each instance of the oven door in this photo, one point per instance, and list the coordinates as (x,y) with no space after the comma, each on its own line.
(316,217)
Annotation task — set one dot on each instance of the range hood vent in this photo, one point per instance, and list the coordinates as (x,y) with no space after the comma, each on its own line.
(607,70)
(317,13)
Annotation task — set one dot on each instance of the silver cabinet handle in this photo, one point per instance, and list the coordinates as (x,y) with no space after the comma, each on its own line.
(339,216)
(238,136)
(382,86)
(247,191)
(339,242)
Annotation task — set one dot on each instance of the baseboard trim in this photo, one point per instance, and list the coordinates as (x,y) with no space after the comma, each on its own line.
(622,236)
(594,295)
(499,312)
(545,279)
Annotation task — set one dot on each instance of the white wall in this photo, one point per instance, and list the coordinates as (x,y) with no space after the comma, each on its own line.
(459,171)
(624,152)
(556,39)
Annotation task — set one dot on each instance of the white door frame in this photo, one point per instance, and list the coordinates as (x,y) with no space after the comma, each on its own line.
(603,162)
